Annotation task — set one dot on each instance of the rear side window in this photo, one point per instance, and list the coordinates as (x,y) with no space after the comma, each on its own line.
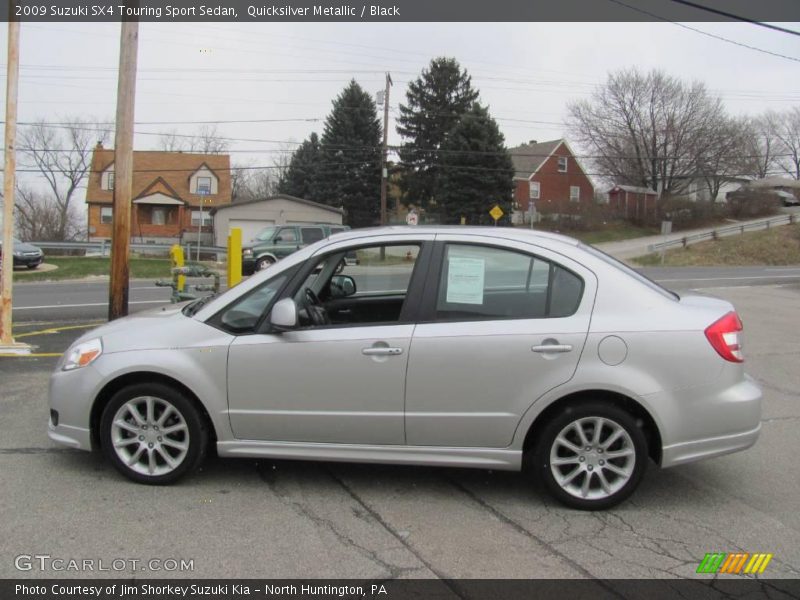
(482,282)
(311,234)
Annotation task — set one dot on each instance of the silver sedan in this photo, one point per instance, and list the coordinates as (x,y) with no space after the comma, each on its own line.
(470,347)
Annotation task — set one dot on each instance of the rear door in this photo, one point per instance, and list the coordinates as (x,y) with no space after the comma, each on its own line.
(500,327)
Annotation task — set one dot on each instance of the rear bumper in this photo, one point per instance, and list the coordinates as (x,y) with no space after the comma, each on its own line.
(679,454)
(732,422)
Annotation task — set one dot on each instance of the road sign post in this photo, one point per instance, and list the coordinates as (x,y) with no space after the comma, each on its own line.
(496,213)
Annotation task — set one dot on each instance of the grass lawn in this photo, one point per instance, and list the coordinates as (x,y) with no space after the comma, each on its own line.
(79,267)
(611,231)
(778,246)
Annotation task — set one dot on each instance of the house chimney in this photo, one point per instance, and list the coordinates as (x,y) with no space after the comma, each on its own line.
(99,145)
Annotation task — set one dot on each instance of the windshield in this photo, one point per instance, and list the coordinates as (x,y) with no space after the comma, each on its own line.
(265,234)
(632,272)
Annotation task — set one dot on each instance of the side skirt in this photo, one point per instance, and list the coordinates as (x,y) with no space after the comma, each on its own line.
(478,458)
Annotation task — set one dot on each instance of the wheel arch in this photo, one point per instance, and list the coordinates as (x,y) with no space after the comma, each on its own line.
(622,401)
(118,383)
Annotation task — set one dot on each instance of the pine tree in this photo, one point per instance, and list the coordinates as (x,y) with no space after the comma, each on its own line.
(435,102)
(349,175)
(477,172)
(300,178)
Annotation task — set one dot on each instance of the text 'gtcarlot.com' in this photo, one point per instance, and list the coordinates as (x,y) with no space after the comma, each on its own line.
(46,562)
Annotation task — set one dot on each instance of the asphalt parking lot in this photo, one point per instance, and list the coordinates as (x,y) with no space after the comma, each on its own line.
(274,519)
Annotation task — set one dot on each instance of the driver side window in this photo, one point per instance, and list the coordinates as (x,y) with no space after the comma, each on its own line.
(368,285)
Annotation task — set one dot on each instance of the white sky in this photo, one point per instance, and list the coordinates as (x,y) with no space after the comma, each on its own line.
(526,72)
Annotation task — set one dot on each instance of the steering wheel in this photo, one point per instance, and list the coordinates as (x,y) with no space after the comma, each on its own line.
(315,310)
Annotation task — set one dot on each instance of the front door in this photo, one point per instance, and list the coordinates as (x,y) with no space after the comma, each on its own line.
(340,376)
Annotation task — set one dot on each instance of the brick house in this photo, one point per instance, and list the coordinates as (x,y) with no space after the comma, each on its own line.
(168,189)
(548,175)
(634,203)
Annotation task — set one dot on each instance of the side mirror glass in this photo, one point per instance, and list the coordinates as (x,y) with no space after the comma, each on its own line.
(342,286)
(284,314)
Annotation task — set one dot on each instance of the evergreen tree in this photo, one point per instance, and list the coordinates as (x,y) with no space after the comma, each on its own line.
(300,178)
(477,172)
(349,175)
(435,102)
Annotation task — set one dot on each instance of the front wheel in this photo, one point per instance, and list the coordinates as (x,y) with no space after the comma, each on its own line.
(264,262)
(152,433)
(591,456)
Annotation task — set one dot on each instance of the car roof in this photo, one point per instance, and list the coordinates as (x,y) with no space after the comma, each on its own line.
(503,233)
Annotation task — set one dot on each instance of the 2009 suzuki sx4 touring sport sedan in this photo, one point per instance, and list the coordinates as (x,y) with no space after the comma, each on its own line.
(469,347)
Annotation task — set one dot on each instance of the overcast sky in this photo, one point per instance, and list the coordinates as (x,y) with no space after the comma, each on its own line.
(526,72)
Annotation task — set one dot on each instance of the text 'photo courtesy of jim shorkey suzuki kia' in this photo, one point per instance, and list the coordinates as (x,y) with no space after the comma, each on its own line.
(461,347)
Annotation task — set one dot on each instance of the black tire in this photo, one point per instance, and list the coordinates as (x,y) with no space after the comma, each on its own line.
(185,415)
(589,466)
(32,266)
(264,262)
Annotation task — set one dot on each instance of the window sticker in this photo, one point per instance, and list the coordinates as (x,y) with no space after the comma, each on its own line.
(465,280)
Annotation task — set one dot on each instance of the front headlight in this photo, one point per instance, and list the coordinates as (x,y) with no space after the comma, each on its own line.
(17,252)
(83,354)
(247,252)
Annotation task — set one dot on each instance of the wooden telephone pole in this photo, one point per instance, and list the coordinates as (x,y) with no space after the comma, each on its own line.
(12,78)
(385,150)
(123,172)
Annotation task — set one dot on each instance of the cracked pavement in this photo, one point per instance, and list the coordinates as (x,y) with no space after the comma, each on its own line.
(275,519)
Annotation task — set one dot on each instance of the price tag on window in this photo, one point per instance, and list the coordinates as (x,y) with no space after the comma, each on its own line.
(465,278)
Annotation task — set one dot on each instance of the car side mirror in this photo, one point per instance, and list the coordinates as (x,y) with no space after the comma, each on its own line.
(284,315)
(342,286)
(277,239)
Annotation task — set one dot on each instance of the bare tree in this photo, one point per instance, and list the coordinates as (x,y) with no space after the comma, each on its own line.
(724,157)
(62,154)
(647,129)
(251,183)
(38,218)
(207,140)
(762,145)
(787,130)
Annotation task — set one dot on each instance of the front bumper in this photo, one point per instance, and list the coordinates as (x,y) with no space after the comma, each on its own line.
(71,396)
(28,261)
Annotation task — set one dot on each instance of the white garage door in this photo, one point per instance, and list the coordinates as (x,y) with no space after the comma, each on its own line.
(250,228)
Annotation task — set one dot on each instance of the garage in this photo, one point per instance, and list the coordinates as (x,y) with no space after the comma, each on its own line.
(254,215)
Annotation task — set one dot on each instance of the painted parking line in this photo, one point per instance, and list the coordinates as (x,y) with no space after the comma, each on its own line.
(58,329)
(87,304)
(32,355)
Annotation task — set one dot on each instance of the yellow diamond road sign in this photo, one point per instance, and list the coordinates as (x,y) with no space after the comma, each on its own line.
(496,213)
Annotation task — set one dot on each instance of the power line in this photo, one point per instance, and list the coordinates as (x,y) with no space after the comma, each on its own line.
(737,17)
(712,35)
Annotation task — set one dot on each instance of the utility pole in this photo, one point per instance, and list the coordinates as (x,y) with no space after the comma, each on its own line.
(123,172)
(12,78)
(385,150)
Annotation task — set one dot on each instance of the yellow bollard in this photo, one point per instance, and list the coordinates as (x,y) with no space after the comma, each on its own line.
(234,256)
(176,254)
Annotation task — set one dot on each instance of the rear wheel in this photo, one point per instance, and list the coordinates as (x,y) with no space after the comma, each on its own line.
(152,433)
(591,456)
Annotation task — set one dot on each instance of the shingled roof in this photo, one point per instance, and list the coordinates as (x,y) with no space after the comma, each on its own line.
(528,158)
(174,169)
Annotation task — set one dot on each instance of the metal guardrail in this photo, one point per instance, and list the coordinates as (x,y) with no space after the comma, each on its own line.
(687,240)
(103,248)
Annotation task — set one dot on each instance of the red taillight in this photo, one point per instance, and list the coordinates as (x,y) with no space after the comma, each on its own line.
(724,337)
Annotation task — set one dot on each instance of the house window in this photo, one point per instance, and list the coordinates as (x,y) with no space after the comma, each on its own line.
(196,218)
(158,216)
(562,164)
(110,180)
(574,193)
(534,190)
(204,185)
(106,214)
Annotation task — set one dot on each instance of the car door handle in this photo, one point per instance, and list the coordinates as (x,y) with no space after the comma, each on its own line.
(545,348)
(381,351)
